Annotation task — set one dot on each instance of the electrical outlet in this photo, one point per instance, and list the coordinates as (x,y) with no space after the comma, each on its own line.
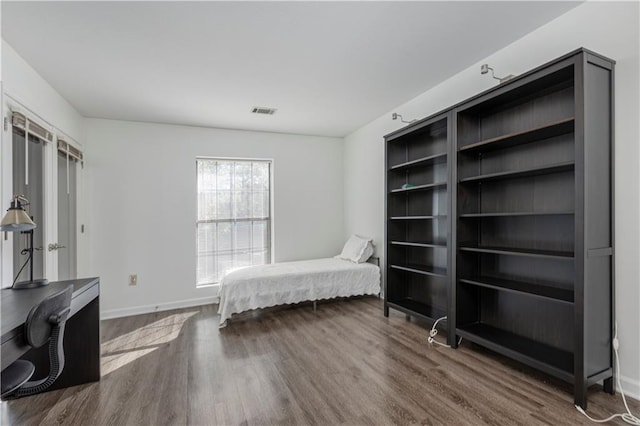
(133,279)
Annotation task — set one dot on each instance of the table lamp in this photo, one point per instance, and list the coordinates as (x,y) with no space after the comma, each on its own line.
(17,220)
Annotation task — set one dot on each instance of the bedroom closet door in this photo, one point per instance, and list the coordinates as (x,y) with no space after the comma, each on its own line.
(29,164)
(66,245)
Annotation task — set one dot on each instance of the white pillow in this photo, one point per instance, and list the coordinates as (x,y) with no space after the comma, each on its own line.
(368,252)
(357,249)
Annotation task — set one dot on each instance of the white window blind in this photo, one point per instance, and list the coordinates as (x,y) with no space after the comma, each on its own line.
(234,216)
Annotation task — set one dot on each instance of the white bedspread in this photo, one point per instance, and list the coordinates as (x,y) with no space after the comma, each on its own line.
(292,282)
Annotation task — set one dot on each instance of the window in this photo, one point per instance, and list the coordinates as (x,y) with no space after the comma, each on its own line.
(234,216)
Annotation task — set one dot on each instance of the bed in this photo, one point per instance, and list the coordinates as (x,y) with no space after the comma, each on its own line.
(283,283)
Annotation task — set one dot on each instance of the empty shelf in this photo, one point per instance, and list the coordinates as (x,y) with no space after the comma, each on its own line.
(554,128)
(508,214)
(421,187)
(421,269)
(418,244)
(412,307)
(554,361)
(533,171)
(564,255)
(540,290)
(424,161)
(418,217)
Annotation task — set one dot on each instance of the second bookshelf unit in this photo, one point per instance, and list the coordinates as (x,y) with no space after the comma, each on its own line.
(534,220)
(516,222)
(418,204)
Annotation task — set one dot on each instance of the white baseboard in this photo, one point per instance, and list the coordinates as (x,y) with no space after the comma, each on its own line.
(630,387)
(137,310)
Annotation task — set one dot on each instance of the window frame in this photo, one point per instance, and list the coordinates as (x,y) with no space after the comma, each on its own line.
(271,209)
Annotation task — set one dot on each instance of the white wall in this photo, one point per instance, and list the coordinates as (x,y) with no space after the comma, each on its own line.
(608,28)
(142,185)
(25,89)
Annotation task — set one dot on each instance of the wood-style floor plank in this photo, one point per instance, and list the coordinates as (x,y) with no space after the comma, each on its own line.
(344,364)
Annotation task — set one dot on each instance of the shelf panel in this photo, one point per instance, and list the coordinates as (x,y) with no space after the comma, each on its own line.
(422,269)
(534,171)
(538,290)
(554,361)
(513,214)
(436,217)
(424,161)
(417,244)
(421,187)
(564,255)
(554,128)
(413,307)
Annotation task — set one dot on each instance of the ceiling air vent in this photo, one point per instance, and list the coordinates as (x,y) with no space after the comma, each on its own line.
(263,110)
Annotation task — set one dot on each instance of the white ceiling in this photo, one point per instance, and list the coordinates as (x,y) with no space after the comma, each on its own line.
(328,67)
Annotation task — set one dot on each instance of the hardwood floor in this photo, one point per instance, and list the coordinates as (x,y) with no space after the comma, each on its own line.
(344,364)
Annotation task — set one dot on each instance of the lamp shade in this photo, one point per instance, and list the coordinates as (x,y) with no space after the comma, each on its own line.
(16,219)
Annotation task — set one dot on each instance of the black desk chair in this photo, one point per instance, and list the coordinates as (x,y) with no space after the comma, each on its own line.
(45,323)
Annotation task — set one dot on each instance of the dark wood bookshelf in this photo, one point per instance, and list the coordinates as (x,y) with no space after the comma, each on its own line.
(508,230)
(534,195)
(418,243)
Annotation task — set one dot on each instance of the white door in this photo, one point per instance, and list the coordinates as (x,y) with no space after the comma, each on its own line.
(29,154)
(66,246)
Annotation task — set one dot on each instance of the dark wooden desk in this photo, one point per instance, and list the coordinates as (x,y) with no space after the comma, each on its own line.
(81,338)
